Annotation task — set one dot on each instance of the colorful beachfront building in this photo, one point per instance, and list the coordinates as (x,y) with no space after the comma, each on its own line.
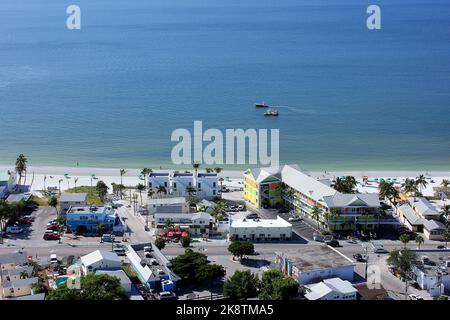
(289,185)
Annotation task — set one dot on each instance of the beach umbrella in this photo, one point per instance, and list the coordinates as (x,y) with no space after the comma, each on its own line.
(185,234)
(170,234)
(162,234)
(178,233)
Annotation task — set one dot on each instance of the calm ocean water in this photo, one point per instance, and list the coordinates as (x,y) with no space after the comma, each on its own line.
(111,94)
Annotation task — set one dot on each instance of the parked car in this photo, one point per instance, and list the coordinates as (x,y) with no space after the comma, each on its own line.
(318,237)
(252,216)
(53,227)
(283,210)
(167,295)
(241,207)
(52,236)
(294,219)
(119,250)
(53,258)
(413,296)
(380,250)
(14,230)
(358,257)
(441,246)
(25,220)
(107,238)
(333,243)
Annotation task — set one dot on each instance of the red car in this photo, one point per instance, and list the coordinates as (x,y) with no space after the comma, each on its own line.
(25,221)
(51,236)
(54,227)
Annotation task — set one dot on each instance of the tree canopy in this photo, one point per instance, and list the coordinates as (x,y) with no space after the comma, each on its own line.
(241,248)
(194,266)
(242,285)
(93,287)
(276,286)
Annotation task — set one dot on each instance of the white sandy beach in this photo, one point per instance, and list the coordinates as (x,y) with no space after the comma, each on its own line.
(36,174)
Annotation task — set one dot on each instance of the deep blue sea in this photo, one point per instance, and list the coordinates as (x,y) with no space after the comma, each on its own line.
(110,94)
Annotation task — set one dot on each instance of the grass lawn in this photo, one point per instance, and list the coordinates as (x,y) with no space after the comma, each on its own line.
(92,197)
(40,201)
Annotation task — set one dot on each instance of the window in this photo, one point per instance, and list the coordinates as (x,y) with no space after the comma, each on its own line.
(199,185)
(214,192)
(150,185)
(175,185)
(190,184)
(214,184)
(165,184)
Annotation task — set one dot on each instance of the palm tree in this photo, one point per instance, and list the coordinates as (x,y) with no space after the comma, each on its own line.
(140,187)
(445,214)
(122,172)
(145,172)
(445,183)
(221,183)
(161,189)
(410,186)
(421,182)
(218,170)
(75,182)
(21,166)
(196,165)
(53,202)
(388,191)
(150,193)
(190,190)
(446,237)
(209,170)
(168,224)
(338,185)
(59,185)
(350,183)
(316,215)
(404,238)
(45,180)
(419,239)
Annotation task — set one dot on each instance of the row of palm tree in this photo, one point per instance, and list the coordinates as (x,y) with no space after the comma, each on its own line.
(345,185)
(415,186)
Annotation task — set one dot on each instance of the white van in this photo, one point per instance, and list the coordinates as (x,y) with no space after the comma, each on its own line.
(53,258)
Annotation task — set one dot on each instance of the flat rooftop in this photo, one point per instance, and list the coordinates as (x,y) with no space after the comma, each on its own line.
(90,210)
(18,197)
(159,174)
(167,201)
(259,223)
(312,258)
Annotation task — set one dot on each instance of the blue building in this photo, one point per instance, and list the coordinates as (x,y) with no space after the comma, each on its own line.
(87,219)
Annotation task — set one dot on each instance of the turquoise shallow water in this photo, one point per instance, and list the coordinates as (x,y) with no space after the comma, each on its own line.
(110,94)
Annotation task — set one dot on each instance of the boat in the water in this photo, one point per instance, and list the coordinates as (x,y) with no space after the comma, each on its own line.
(261,105)
(271,113)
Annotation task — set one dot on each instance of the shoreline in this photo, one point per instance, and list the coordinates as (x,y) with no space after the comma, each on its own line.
(100,171)
(53,174)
